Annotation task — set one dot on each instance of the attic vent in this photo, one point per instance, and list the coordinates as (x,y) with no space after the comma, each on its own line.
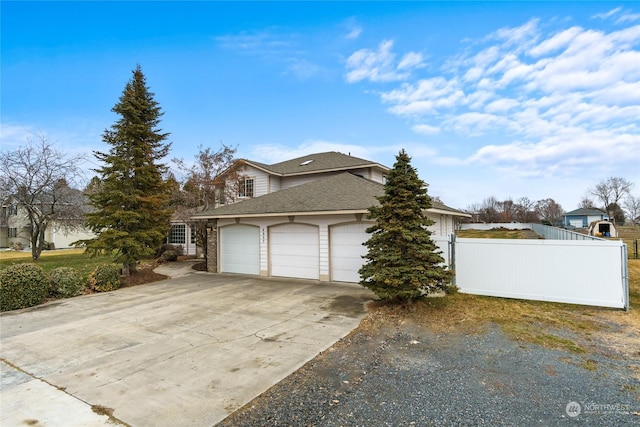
(306,162)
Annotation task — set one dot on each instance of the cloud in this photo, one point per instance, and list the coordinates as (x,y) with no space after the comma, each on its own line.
(353,29)
(13,136)
(426,129)
(380,65)
(553,99)
(301,68)
(608,14)
(624,15)
(257,42)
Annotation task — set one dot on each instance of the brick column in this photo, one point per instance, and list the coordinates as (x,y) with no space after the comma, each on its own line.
(212,246)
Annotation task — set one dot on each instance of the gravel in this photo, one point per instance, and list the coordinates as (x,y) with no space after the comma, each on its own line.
(409,376)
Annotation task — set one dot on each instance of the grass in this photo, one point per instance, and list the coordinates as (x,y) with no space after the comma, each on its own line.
(49,260)
(577,329)
(499,233)
(629,234)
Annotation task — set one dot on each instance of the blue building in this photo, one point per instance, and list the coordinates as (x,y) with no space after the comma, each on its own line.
(581,218)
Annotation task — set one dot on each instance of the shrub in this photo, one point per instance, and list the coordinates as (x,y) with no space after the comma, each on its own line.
(178,249)
(66,282)
(169,256)
(104,278)
(22,285)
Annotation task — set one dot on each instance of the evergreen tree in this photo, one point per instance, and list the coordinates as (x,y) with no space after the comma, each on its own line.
(131,216)
(403,262)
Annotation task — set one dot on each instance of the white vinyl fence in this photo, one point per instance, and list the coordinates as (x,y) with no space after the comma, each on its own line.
(568,271)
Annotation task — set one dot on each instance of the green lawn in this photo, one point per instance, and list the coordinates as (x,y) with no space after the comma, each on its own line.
(500,233)
(74,258)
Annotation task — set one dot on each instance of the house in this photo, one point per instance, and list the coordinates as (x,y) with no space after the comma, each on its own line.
(15,230)
(303,218)
(581,218)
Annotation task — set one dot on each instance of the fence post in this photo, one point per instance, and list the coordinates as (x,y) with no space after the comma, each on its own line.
(452,251)
(625,276)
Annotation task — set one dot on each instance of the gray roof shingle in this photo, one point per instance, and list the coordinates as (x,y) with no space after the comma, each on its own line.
(342,192)
(329,161)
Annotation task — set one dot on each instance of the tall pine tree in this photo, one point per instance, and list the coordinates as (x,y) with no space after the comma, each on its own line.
(403,262)
(131,214)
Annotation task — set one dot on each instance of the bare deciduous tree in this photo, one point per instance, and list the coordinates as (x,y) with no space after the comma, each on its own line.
(586,203)
(36,177)
(632,208)
(610,191)
(550,211)
(202,189)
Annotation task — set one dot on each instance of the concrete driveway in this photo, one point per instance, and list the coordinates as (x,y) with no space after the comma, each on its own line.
(182,352)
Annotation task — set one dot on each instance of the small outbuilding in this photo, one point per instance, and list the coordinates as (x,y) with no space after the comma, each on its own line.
(602,228)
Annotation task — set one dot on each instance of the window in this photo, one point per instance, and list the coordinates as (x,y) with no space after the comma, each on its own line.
(177,234)
(246,188)
(13,210)
(13,232)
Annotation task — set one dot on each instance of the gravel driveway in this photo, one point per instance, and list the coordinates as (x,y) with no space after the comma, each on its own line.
(406,375)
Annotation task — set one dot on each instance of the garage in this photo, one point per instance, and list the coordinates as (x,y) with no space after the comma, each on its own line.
(347,250)
(240,249)
(294,251)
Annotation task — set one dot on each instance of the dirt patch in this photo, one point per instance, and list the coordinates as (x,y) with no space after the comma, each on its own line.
(143,275)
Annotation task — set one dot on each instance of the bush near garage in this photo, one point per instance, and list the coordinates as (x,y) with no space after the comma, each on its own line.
(104,278)
(169,256)
(66,282)
(22,285)
(178,249)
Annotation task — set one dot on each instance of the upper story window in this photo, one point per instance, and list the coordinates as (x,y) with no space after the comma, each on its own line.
(245,189)
(13,209)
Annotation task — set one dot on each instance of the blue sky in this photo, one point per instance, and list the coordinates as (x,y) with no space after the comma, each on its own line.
(504,99)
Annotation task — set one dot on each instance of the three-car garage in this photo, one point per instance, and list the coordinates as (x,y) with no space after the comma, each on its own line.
(320,251)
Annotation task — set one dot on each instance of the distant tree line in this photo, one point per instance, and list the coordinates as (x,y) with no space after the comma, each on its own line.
(612,195)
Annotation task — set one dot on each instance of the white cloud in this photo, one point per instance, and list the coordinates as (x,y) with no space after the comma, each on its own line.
(628,17)
(380,65)
(301,68)
(556,101)
(353,29)
(426,129)
(608,14)
(258,42)
(13,136)
(411,60)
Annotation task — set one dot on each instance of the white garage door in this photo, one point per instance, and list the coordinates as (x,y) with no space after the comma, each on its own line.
(294,251)
(347,251)
(240,249)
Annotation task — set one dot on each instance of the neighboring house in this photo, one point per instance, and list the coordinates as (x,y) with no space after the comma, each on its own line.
(303,218)
(15,230)
(581,218)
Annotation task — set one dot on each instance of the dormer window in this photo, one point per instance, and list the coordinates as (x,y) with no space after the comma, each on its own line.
(246,187)
(306,162)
